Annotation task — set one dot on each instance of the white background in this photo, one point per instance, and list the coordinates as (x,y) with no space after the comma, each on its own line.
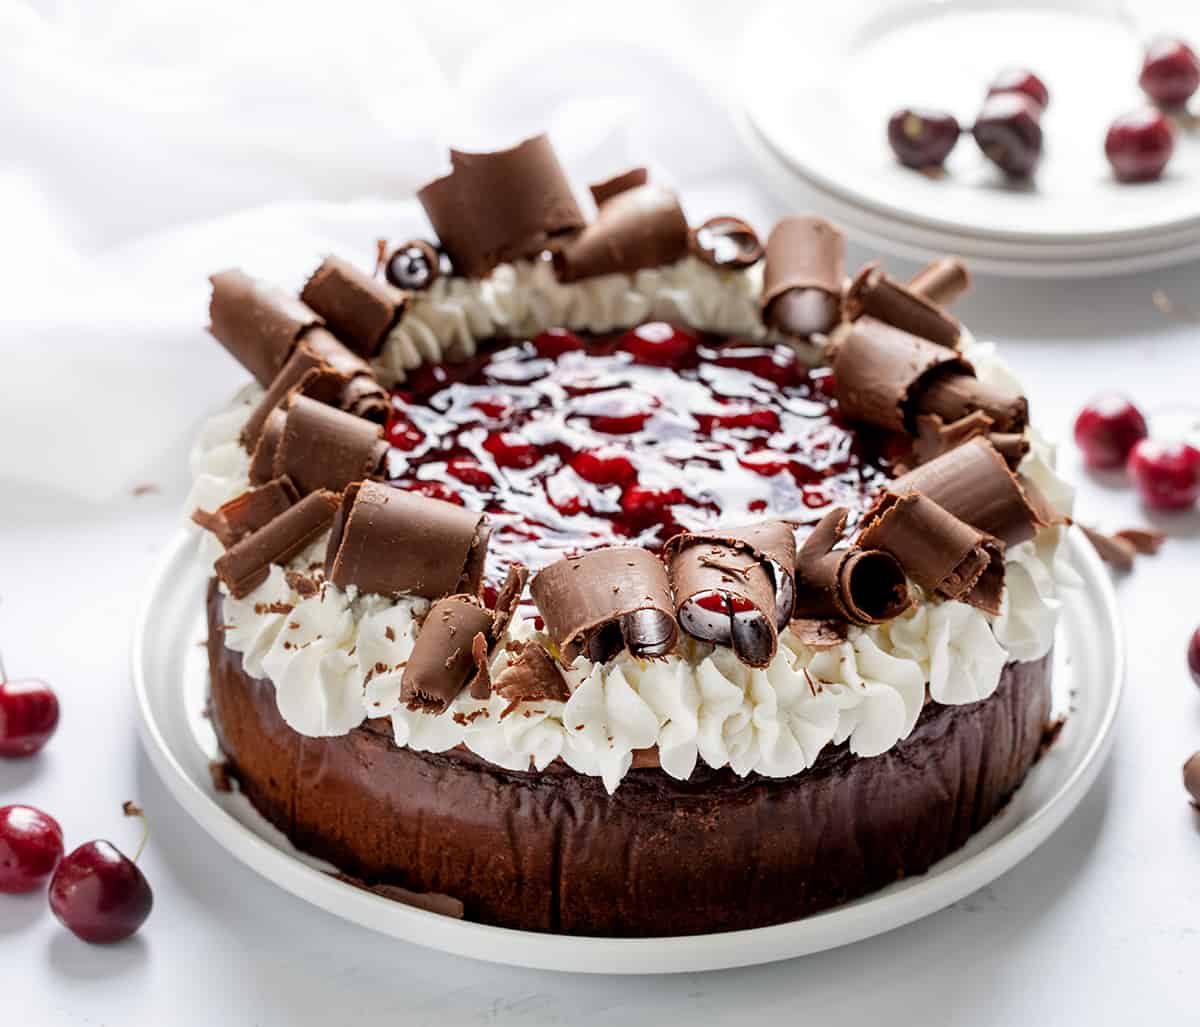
(145,147)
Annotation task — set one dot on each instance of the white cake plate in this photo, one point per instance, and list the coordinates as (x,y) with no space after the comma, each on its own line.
(170,678)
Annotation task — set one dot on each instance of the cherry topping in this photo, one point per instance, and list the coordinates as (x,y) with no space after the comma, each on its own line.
(28,715)
(1139,145)
(493,408)
(1009,133)
(1167,474)
(403,435)
(778,365)
(31,844)
(660,343)
(761,419)
(922,138)
(1107,429)
(647,505)
(510,450)
(605,465)
(1170,72)
(620,424)
(413,266)
(467,469)
(1021,80)
(553,343)
(99,894)
(765,462)
(1193,655)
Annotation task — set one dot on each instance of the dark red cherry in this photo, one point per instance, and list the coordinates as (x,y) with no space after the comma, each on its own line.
(1021,80)
(1170,72)
(31,844)
(620,424)
(28,716)
(1009,133)
(660,343)
(1193,655)
(1167,474)
(553,343)
(1139,145)
(99,894)
(605,465)
(510,450)
(649,505)
(1107,429)
(468,470)
(922,138)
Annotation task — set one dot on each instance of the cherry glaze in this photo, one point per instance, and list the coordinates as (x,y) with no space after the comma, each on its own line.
(572,443)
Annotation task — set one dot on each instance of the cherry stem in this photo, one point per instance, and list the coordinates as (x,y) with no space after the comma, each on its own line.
(132,809)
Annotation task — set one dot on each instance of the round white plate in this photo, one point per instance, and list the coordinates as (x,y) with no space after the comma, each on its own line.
(171,680)
(819,82)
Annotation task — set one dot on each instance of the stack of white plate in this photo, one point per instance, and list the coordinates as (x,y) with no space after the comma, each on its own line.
(819,81)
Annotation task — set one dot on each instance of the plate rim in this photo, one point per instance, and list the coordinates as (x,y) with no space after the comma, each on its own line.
(665,954)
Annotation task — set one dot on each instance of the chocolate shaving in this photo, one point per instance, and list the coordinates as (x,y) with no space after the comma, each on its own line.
(1146,541)
(803,277)
(245,514)
(503,612)
(861,585)
(256,322)
(938,551)
(606,600)
(819,634)
(604,191)
(445,655)
(638,228)
(1117,552)
(324,448)
(532,675)
(362,395)
(388,541)
(879,295)
(941,281)
(262,458)
(246,564)
(320,382)
(952,394)
(1011,446)
(973,483)
(935,436)
(500,206)
(359,309)
(735,587)
(725,242)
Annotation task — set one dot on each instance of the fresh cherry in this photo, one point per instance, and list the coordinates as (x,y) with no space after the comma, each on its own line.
(1170,72)
(510,450)
(922,138)
(1139,145)
(1107,429)
(1009,133)
(554,342)
(99,894)
(31,844)
(1167,474)
(660,343)
(1193,656)
(605,465)
(1021,80)
(28,715)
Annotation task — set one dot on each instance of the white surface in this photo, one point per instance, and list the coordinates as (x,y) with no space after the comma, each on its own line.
(106,375)
(170,678)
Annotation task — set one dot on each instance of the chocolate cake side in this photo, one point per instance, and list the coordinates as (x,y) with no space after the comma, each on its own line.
(554,852)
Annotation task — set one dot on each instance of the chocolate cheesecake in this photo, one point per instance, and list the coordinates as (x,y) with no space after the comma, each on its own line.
(613,576)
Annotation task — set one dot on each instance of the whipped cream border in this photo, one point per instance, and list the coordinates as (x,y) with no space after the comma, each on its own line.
(337,658)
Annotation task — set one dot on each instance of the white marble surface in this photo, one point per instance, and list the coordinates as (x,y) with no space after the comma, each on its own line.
(105,376)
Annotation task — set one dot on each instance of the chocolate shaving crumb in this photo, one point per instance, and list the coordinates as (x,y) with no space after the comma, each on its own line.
(1146,541)
(144,490)
(1114,551)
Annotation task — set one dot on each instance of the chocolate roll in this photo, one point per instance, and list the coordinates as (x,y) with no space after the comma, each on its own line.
(324,448)
(500,206)
(256,322)
(362,395)
(604,191)
(388,541)
(637,228)
(246,564)
(803,277)
(304,372)
(450,650)
(734,587)
(607,600)
(952,395)
(862,585)
(726,242)
(245,514)
(973,483)
(359,310)
(942,281)
(262,457)
(880,296)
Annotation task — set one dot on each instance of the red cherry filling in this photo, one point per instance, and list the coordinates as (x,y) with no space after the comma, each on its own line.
(553,343)
(1167,474)
(1107,429)
(510,450)
(722,602)
(761,419)
(468,470)
(606,465)
(660,343)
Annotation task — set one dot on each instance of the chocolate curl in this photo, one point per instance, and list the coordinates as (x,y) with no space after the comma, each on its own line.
(359,309)
(638,228)
(256,322)
(262,458)
(726,242)
(496,207)
(606,600)
(735,587)
(604,191)
(362,395)
(324,448)
(936,549)
(878,371)
(446,653)
(532,675)
(973,483)
(388,541)
(245,514)
(1115,551)
(953,395)
(246,564)
(879,295)
(305,372)
(505,609)
(819,634)
(1011,446)
(803,278)
(862,585)
(941,281)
